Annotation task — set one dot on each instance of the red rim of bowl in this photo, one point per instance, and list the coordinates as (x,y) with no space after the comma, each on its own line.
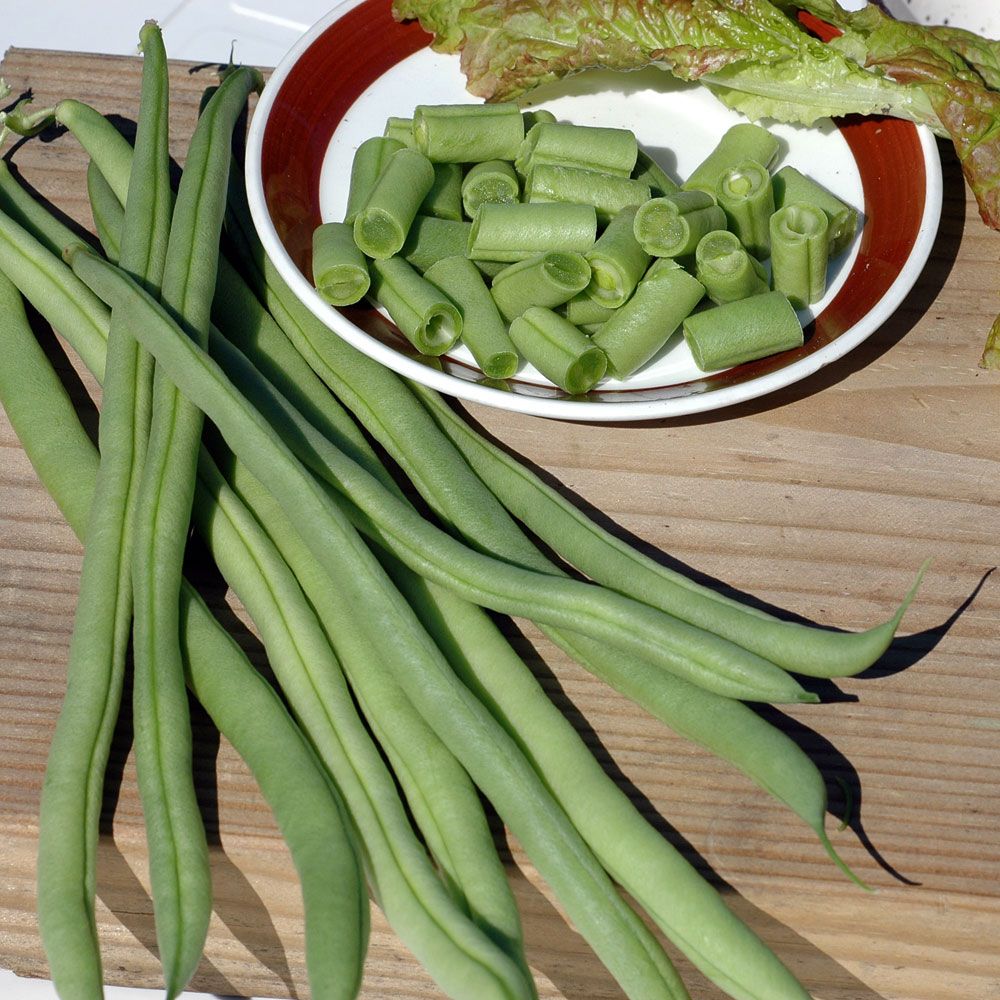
(343,60)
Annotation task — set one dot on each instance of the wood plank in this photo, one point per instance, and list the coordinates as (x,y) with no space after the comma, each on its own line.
(820,500)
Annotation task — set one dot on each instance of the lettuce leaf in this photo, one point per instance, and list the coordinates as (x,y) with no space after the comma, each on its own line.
(755,55)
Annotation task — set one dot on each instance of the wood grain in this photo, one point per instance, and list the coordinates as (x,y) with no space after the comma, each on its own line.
(820,500)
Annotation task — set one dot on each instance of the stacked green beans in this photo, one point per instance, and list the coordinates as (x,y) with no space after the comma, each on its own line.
(531,239)
(408,701)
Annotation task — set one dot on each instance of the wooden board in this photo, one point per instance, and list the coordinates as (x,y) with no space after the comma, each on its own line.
(821,500)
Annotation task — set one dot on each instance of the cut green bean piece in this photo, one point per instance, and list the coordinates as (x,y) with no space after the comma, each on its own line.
(650,172)
(617,262)
(639,329)
(340,270)
(468,133)
(727,270)
(370,160)
(494,181)
(483,331)
(740,143)
(430,240)
(487,752)
(424,315)
(792,187)
(583,311)
(380,227)
(400,129)
(550,279)
(671,226)
(558,350)
(513,232)
(745,194)
(535,115)
(742,331)
(800,246)
(444,200)
(610,150)
(608,193)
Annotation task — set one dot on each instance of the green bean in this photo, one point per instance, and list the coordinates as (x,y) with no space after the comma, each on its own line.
(70,807)
(107,224)
(178,851)
(671,226)
(492,181)
(430,240)
(240,702)
(562,354)
(369,161)
(483,330)
(740,143)
(608,193)
(340,271)
(791,187)
(425,316)
(444,200)
(381,225)
(640,328)
(468,133)
(745,194)
(513,232)
(583,311)
(534,116)
(617,262)
(611,150)
(466,728)
(800,251)
(548,279)
(400,129)
(726,269)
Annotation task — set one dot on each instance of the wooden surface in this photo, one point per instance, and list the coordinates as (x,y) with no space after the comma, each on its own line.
(821,500)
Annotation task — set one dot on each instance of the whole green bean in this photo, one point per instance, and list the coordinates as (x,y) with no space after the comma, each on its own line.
(178,851)
(69,811)
(307,807)
(466,728)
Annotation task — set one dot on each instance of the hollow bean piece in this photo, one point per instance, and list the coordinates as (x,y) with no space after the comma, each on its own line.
(535,115)
(745,194)
(377,397)
(608,193)
(430,240)
(583,311)
(611,150)
(493,181)
(468,133)
(671,226)
(369,161)
(650,172)
(513,232)
(444,200)
(242,705)
(742,331)
(424,314)
(640,328)
(727,269)
(483,331)
(443,800)
(792,187)
(563,354)
(178,851)
(617,262)
(380,227)
(550,279)
(485,749)
(800,246)
(400,129)
(742,142)
(340,271)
